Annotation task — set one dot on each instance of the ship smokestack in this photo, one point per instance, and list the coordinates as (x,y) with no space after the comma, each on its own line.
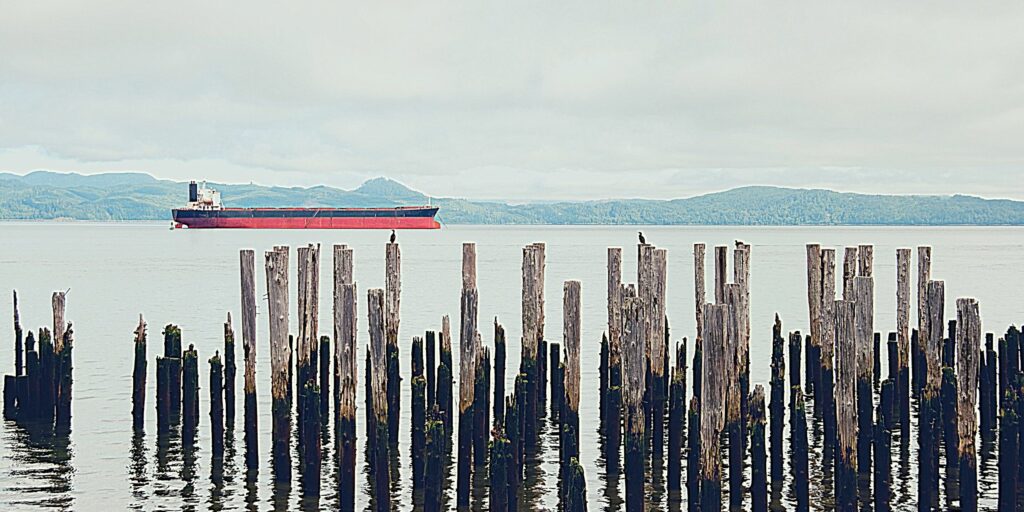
(193,192)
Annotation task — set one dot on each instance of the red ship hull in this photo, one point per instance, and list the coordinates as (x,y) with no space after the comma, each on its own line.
(301,218)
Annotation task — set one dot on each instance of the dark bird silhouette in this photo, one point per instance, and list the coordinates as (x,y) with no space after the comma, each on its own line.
(392,236)
(642,239)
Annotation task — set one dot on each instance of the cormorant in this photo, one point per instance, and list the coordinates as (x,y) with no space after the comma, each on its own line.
(642,239)
(392,236)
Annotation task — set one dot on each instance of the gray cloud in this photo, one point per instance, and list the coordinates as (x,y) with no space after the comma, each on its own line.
(521,101)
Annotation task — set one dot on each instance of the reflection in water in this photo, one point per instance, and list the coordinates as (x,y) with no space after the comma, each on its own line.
(137,469)
(188,476)
(42,469)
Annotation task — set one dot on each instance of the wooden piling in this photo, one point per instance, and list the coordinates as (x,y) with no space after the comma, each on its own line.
(533,332)
(163,391)
(247,266)
(419,413)
(758,455)
(814,313)
(613,406)
(778,400)
(345,362)
(883,460)
(379,391)
(864,290)
(847,388)
(924,273)
(699,287)
(658,345)
(481,404)
(445,381)
(557,388)
(570,414)
(19,361)
(712,405)
(676,419)
(828,342)
(393,299)
(430,351)
(172,353)
(902,402)
(721,264)
(1009,445)
(217,409)
(306,364)
(467,372)
(800,451)
(280,357)
(849,271)
(62,365)
(693,456)
(576,495)
(968,343)
(633,387)
(733,417)
(325,379)
(189,396)
(139,378)
(499,373)
(989,400)
(928,426)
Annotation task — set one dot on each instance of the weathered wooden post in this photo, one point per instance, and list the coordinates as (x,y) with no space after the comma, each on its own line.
(969,345)
(570,413)
(325,381)
(393,291)
(430,352)
(741,275)
(557,387)
(481,404)
(308,311)
(419,413)
(217,405)
(989,400)
(777,405)
(928,430)
(656,335)
(712,404)
(138,378)
(613,410)
(800,449)
(902,402)
(693,455)
(61,365)
(499,373)
(633,387)
(19,361)
(828,342)
(467,372)
(445,381)
(814,313)
(847,388)
(533,334)
(676,414)
(247,266)
(758,455)
(864,289)
(733,419)
(190,396)
(346,357)
(849,271)
(172,356)
(924,274)
(379,390)
(576,500)
(1009,446)
(230,370)
(280,356)
(721,264)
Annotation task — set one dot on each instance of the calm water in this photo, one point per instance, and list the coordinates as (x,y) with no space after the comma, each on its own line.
(115,272)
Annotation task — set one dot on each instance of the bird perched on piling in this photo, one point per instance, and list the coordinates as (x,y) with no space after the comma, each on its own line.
(392,236)
(642,239)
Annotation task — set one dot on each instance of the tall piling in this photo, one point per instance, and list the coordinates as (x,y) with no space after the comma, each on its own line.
(712,403)
(499,373)
(656,333)
(217,409)
(139,378)
(613,407)
(393,299)
(380,448)
(828,342)
(247,266)
(733,417)
(902,402)
(847,388)
(189,396)
(800,451)
(928,426)
(435,446)
(230,371)
(924,274)
(777,405)
(633,387)
(346,357)
(569,415)
(419,413)
(814,314)
(467,372)
(280,357)
(969,346)
(758,455)
(864,332)
(533,329)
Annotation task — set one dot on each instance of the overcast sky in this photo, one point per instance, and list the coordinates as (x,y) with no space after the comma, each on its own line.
(522,100)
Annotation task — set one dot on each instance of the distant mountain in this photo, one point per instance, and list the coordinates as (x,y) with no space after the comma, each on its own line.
(139,196)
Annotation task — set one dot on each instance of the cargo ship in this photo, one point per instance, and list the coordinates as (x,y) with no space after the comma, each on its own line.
(204,211)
